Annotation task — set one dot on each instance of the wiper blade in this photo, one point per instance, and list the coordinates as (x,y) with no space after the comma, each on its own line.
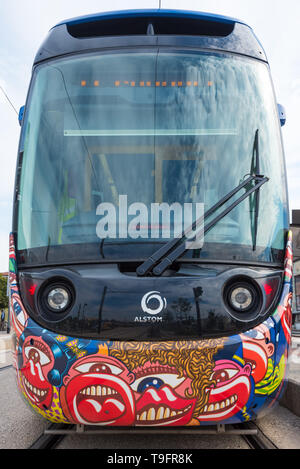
(175,248)
(254,200)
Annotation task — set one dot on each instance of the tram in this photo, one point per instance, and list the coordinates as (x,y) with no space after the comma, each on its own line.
(150,251)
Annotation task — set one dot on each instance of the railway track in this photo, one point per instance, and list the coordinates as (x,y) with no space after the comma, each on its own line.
(257,440)
(249,432)
(3,368)
(50,441)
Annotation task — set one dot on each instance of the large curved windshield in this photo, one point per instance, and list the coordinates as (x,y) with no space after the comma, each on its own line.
(123,150)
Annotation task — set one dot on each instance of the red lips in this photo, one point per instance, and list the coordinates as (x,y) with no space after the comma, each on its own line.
(100,399)
(39,391)
(163,406)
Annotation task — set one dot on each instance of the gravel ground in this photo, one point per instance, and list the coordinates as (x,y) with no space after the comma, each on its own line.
(19,426)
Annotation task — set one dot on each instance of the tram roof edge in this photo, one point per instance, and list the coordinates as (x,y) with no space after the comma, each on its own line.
(84,33)
(153,12)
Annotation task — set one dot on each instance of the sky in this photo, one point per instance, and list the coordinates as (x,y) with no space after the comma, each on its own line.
(24,25)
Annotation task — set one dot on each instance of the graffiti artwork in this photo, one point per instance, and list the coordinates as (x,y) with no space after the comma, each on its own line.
(168,383)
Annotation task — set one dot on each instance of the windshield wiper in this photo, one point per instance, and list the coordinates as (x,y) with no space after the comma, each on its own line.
(166,255)
(254,200)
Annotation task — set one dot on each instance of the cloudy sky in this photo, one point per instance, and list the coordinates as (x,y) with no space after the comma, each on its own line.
(24,24)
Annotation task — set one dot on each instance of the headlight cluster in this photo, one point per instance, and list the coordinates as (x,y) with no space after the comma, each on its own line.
(243,298)
(55,298)
(58,299)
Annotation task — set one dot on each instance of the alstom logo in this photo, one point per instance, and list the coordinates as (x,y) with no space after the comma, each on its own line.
(153,303)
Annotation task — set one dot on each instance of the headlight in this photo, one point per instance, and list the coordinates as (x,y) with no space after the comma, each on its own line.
(58,299)
(243,298)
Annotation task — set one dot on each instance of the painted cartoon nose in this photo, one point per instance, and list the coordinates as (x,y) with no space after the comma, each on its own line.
(247,369)
(34,356)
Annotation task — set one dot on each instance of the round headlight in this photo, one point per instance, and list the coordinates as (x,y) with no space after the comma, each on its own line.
(241,298)
(58,299)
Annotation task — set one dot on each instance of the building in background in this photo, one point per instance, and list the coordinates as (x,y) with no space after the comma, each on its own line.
(4,302)
(295,227)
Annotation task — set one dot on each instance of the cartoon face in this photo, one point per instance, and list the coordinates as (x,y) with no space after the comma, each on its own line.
(231,392)
(96,391)
(160,396)
(257,349)
(18,315)
(285,311)
(37,362)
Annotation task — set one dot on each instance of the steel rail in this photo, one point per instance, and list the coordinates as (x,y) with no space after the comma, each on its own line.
(250,432)
(257,440)
(95,430)
(50,440)
(3,368)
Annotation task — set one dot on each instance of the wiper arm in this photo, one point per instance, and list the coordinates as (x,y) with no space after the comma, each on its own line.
(255,169)
(175,248)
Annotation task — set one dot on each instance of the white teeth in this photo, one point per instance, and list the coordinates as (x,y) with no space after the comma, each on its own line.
(221,405)
(161,414)
(151,414)
(37,392)
(98,391)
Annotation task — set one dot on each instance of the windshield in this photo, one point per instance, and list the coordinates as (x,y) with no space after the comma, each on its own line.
(122,151)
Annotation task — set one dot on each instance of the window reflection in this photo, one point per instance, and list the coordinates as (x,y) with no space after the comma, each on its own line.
(159,128)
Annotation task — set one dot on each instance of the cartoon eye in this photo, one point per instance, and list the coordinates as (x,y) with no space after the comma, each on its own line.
(36,355)
(17,307)
(150,382)
(99,367)
(254,334)
(224,374)
(156,381)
